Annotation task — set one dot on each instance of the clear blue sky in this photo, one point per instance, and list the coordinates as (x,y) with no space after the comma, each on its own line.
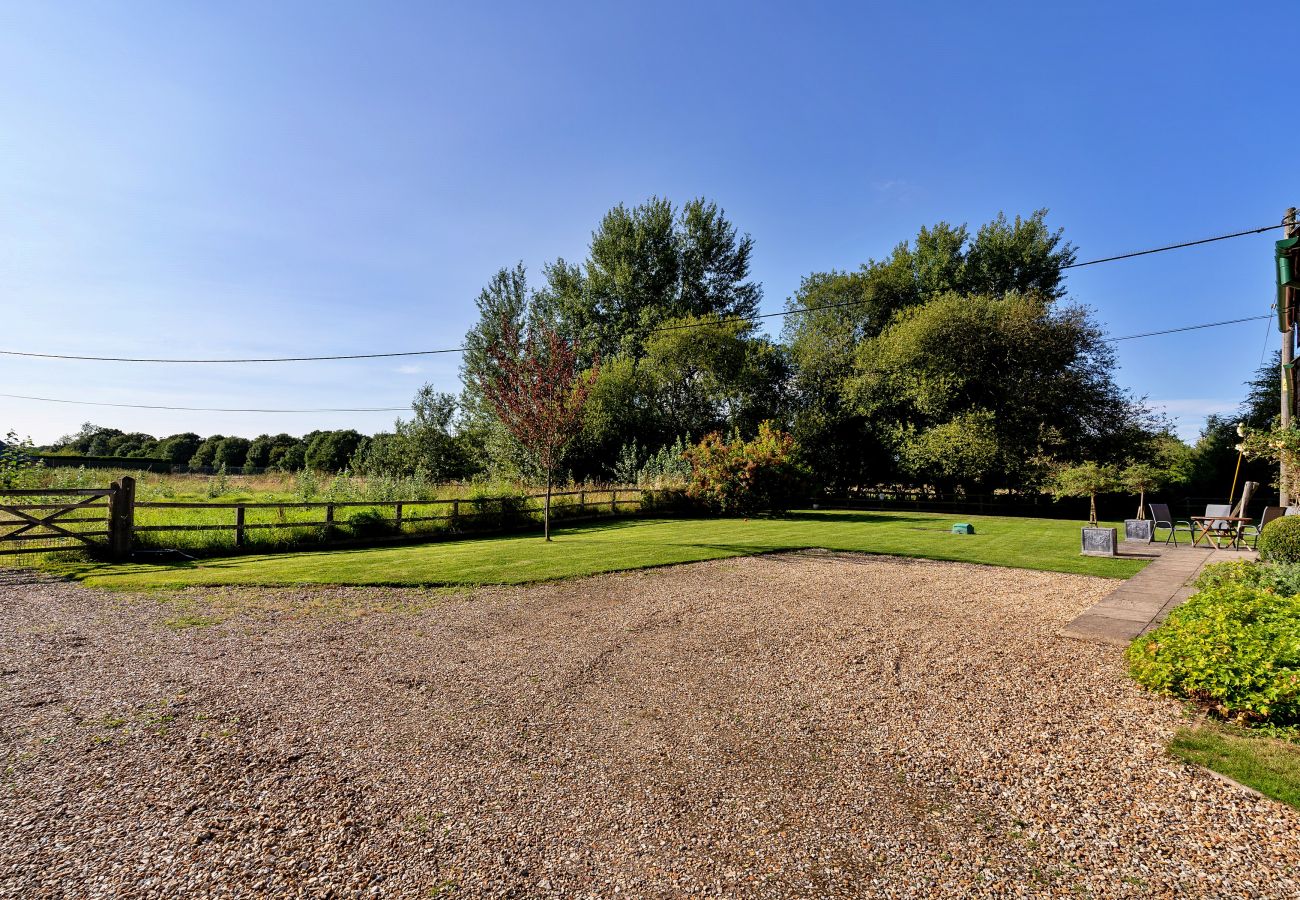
(311,178)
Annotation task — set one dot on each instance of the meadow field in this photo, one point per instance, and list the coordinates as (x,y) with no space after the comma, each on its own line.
(363,506)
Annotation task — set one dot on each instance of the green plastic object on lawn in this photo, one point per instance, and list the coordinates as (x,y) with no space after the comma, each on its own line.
(963,528)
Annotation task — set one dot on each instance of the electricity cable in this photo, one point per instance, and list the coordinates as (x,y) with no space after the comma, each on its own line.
(1127,337)
(407,353)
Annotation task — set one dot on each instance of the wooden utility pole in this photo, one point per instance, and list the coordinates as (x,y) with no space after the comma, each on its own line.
(1288,359)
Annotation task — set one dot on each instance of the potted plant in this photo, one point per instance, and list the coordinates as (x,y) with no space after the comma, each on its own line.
(1139,478)
(1088,479)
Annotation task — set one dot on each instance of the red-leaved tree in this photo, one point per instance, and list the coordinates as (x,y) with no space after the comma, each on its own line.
(538,394)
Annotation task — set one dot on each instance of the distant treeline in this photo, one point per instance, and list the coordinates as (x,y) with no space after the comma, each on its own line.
(325,451)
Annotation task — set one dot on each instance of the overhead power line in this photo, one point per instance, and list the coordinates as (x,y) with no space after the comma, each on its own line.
(1127,337)
(209,408)
(1209,240)
(407,353)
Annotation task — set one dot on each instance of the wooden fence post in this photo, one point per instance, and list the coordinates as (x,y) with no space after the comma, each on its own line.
(121,518)
(329,521)
(613,502)
(397,518)
(239,526)
(455,514)
(582,503)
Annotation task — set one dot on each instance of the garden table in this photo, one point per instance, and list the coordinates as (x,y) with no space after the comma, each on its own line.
(1231,529)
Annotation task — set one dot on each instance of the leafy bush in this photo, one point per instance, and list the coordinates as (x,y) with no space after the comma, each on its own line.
(1280,540)
(219,485)
(739,476)
(1234,646)
(15,459)
(1280,578)
(370,523)
(667,465)
(308,486)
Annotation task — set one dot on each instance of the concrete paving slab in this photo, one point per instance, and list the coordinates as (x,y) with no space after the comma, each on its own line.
(1141,603)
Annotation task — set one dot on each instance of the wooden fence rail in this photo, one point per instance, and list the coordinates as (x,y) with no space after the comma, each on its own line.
(53,515)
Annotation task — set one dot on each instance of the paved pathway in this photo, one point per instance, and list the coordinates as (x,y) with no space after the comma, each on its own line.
(1142,602)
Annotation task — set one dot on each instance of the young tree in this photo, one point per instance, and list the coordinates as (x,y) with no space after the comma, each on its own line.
(1141,478)
(1087,479)
(534,386)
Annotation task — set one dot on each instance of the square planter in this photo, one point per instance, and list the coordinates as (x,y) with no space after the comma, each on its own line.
(1098,542)
(1139,530)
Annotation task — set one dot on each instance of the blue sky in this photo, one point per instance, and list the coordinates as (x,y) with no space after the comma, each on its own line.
(243,179)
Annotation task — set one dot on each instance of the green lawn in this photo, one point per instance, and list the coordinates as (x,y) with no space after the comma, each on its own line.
(1270,766)
(631,544)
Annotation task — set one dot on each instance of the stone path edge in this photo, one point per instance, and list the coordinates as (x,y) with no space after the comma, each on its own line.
(1142,602)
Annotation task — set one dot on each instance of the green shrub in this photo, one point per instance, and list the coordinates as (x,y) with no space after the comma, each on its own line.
(1280,540)
(370,523)
(15,460)
(1234,646)
(1280,578)
(1240,571)
(738,476)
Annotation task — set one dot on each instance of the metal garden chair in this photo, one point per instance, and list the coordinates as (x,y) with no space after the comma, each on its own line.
(1161,517)
(1253,531)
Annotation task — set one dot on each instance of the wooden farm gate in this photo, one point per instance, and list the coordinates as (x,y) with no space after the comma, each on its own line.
(39,520)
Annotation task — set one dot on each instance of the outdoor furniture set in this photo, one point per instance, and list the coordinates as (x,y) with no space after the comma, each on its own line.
(1222,526)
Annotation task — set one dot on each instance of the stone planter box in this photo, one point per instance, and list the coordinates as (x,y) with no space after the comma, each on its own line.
(1139,530)
(1098,542)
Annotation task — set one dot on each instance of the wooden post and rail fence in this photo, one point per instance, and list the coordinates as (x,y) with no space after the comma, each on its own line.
(39,520)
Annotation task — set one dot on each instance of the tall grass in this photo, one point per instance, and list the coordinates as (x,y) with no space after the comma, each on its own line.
(484,506)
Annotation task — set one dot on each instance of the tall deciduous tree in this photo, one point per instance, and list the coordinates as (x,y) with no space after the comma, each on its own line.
(649,264)
(954,360)
(534,386)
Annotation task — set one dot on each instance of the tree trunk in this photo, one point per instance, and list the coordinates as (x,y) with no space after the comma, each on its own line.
(546,511)
(1092,510)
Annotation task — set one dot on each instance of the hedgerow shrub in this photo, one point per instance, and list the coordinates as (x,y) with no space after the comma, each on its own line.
(1233,646)
(739,476)
(1280,540)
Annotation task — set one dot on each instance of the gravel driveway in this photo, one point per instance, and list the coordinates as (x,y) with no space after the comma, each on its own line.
(806,725)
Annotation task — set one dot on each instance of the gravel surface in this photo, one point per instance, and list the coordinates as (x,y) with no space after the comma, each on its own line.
(805,725)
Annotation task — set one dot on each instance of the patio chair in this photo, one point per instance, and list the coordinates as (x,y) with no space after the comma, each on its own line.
(1253,531)
(1220,527)
(1161,517)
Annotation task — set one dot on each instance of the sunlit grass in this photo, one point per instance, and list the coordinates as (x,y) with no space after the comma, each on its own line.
(1047,544)
(1266,764)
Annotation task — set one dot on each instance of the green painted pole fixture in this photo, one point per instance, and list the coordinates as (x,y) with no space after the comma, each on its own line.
(1288,276)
